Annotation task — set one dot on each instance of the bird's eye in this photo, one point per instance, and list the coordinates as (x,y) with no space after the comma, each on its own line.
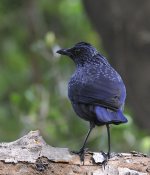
(77,51)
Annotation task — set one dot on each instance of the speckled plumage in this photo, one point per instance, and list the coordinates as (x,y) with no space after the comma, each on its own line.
(95,83)
(96,90)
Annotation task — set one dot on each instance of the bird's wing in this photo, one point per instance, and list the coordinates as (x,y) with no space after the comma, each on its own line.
(102,92)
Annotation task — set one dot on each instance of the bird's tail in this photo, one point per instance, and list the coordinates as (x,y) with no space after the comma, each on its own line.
(105,115)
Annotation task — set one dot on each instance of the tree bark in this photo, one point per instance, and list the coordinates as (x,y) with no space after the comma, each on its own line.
(30,155)
(124,27)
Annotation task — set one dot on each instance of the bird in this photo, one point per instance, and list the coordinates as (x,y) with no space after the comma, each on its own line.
(96,90)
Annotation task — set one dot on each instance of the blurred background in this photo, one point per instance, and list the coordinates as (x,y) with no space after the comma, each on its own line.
(33,78)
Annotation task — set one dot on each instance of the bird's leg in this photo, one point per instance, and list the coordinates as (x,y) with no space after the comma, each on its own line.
(92,125)
(82,149)
(107,156)
(108,132)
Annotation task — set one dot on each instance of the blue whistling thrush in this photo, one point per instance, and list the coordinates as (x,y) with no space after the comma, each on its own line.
(96,90)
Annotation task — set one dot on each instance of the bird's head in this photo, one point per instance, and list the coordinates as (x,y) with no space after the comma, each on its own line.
(80,53)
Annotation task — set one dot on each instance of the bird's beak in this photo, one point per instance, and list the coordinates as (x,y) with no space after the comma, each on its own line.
(64,52)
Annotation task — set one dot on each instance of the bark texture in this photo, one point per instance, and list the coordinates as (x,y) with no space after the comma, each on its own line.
(124,28)
(30,155)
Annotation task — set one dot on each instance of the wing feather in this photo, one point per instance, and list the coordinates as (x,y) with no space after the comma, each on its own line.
(105,93)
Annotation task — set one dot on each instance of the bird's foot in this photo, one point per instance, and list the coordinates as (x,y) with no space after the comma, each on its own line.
(106,158)
(81,153)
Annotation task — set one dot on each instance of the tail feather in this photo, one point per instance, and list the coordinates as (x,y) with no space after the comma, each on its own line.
(105,115)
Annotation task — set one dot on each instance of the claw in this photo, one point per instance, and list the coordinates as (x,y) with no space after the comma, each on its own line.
(81,153)
(106,158)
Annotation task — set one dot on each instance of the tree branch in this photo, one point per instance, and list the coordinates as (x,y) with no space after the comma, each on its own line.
(30,155)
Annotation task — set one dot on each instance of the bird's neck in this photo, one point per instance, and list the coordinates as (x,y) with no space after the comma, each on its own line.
(86,59)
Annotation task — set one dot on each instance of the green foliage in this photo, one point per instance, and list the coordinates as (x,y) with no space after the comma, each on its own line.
(33,78)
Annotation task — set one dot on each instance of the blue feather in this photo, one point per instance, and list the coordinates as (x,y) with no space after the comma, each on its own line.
(105,115)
